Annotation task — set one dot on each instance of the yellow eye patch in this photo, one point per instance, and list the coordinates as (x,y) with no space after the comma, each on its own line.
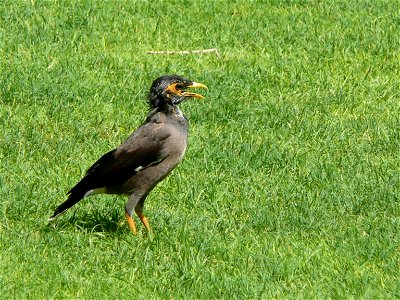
(174,88)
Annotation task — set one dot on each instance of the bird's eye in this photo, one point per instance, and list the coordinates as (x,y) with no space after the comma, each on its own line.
(179,86)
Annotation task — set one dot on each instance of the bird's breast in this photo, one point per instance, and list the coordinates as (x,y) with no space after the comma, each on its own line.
(177,142)
(172,129)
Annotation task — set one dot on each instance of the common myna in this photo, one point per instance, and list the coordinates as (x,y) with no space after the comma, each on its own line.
(146,157)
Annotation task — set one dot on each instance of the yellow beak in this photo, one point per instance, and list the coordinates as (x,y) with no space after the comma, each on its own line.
(195,85)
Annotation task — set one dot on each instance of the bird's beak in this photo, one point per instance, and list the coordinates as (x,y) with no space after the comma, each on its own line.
(195,85)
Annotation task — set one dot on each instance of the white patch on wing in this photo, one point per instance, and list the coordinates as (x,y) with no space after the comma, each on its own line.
(138,169)
(101,190)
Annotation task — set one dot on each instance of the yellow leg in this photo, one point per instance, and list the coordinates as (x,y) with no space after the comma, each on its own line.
(131,223)
(144,220)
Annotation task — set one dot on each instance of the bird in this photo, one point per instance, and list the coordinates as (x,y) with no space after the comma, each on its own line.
(146,157)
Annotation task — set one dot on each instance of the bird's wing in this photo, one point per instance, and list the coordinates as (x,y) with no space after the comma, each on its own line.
(142,149)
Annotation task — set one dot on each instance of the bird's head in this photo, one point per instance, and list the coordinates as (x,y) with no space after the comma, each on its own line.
(172,90)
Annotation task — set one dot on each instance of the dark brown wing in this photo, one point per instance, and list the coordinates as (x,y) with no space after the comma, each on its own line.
(142,149)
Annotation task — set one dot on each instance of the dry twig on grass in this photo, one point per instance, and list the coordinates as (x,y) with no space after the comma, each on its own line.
(212,50)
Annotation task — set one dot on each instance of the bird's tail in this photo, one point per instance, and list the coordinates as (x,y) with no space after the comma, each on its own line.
(73,198)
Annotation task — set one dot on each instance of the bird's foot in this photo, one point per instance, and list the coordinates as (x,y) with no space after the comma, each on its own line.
(131,223)
(144,220)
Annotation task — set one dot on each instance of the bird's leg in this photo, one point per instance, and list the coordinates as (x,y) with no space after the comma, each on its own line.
(131,223)
(136,202)
(129,207)
(139,212)
(144,220)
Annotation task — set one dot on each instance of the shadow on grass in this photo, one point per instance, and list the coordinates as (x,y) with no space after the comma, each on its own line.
(95,222)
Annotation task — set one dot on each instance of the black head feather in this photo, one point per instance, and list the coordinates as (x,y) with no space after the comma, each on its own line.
(160,96)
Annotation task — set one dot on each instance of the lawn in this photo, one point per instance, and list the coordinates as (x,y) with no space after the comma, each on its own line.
(290,185)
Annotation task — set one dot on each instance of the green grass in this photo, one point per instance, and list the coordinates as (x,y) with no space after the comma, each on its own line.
(290,186)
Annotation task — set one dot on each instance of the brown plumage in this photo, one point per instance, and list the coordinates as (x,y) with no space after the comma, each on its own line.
(146,157)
